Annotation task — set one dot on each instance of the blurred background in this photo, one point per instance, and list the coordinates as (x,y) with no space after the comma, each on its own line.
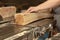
(20,4)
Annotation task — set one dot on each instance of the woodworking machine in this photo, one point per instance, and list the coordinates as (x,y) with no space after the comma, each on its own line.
(9,30)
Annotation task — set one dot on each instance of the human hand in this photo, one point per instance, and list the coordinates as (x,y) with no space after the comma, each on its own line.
(32,9)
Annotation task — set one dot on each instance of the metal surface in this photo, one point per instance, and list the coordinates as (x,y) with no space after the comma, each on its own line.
(10,29)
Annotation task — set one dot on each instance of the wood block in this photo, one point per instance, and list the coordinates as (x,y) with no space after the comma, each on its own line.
(7,11)
(23,19)
(40,23)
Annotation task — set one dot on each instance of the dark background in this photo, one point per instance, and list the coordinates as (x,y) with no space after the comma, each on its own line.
(20,4)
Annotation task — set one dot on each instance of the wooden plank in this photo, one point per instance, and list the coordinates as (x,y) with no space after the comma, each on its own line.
(40,23)
(23,19)
(7,11)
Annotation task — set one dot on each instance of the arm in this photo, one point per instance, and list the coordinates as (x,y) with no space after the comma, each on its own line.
(49,4)
(45,5)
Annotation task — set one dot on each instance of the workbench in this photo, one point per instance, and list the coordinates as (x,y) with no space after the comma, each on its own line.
(11,31)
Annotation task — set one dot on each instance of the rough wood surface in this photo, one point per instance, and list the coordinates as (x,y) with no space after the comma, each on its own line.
(7,11)
(23,19)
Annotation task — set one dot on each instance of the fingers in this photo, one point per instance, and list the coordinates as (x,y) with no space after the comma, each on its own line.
(32,10)
(29,10)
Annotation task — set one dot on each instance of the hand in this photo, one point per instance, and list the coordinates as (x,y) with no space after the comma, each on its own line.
(33,9)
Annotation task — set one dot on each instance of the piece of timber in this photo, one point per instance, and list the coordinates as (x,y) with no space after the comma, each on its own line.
(23,18)
(40,23)
(7,11)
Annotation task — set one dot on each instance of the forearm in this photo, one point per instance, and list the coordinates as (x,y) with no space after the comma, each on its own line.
(49,4)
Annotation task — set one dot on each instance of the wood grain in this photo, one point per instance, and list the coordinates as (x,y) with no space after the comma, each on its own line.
(7,11)
(23,18)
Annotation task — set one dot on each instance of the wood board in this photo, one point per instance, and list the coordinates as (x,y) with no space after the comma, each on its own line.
(23,19)
(7,11)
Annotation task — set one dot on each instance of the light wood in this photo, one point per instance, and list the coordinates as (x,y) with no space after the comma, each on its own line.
(40,23)
(23,18)
(7,11)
